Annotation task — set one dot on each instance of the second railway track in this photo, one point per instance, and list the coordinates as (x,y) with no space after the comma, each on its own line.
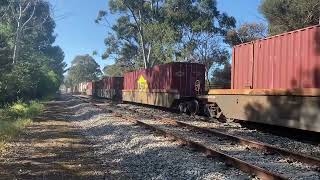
(263,160)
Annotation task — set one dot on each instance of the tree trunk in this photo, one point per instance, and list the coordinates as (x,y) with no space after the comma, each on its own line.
(16,41)
(20,27)
(143,51)
(146,63)
(16,48)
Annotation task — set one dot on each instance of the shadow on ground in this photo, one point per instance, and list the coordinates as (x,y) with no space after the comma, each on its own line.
(51,149)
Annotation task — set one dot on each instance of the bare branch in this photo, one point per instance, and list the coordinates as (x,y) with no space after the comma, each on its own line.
(26,8)
(31,16)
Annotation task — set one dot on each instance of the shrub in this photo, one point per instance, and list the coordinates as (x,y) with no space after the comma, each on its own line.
(34,109)
(21,110)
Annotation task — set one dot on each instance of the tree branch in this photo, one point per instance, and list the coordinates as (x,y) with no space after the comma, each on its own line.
(31,16)
(27,6)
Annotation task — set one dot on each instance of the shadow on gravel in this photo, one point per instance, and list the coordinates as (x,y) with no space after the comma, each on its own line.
(51,149)
(132,152)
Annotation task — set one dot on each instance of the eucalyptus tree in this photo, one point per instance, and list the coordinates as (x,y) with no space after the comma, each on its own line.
(245,33)
(20,13)
(149,32)
(287,15)
(30,65)
(83,68)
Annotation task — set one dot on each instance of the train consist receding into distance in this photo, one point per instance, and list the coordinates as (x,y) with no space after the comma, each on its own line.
(275,81)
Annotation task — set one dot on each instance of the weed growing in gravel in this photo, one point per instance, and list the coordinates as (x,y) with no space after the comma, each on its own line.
(15,118)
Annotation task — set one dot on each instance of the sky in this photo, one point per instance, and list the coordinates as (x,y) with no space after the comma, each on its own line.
(78,34)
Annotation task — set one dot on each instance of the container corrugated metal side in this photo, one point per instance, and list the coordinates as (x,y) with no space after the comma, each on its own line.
(110,87)
(98,85)
(286,61)
(90,88)
(113,83)
(158,77)
(177,76)
(186,76)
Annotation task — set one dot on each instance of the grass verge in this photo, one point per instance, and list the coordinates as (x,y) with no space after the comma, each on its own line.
(14,118)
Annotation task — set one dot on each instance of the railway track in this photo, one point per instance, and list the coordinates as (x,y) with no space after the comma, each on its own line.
(263,160)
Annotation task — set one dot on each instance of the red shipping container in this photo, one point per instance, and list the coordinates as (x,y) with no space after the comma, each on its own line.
(113,83)
(286,61)
(90,88)
(186,78)
(109,87)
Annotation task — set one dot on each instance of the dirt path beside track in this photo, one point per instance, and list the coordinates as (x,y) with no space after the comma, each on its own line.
(51,148)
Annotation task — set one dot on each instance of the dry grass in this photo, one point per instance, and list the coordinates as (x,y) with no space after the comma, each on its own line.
(14,118)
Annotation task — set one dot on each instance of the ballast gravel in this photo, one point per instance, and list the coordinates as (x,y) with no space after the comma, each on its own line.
(272,162)
(132,152)
(234,129)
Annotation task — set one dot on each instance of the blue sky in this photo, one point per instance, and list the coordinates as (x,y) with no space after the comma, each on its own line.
(78,34)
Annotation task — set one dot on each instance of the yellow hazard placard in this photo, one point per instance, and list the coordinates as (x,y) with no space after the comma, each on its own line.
(142,83)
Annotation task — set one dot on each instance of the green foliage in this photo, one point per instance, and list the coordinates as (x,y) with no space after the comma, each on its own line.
(115,70)
(287,15)
(83,68)
(245,33)
(147,33)
(20,109)
(222,76)
(38,67)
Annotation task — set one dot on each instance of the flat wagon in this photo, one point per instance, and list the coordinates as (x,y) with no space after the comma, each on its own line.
(274,81)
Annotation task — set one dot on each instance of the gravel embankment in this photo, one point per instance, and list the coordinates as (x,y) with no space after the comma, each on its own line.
(132,152)
(232,128)
(272,162)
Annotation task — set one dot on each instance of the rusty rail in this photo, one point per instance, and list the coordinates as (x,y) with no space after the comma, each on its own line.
(242,165)
(299,157)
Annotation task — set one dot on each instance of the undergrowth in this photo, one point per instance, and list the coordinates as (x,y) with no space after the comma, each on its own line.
(15,118)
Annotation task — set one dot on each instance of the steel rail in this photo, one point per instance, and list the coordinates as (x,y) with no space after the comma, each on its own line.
(259,145)
(240,164)
(298,157)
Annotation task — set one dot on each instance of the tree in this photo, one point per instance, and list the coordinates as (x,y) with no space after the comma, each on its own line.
(207,50)
(221,77)
(287,15)
(245,33)
(83,68)
(31,67)
(23,13)
(114,70)
(157,31)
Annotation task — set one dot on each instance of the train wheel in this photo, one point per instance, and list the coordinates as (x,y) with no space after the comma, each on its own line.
(182,107)
(193,107)
(207,110)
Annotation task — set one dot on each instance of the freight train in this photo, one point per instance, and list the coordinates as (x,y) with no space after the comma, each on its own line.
(274,81)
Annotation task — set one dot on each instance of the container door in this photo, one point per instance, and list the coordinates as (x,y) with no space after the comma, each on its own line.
(250,68)
(197,81)
(242,66)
